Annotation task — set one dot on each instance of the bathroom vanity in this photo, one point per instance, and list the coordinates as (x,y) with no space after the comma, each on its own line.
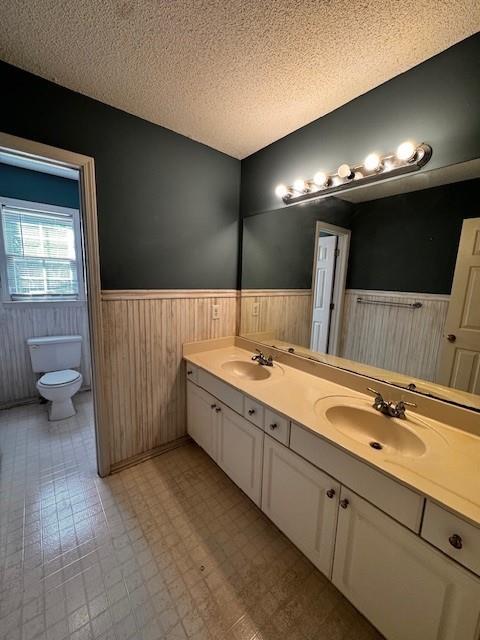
(388,509)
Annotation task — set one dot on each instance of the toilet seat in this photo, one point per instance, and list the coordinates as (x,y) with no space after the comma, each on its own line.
(59,378)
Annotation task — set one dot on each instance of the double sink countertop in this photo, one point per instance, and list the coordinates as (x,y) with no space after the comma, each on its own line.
(435,459)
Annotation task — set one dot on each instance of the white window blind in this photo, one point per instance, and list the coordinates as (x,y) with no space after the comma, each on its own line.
(40,254)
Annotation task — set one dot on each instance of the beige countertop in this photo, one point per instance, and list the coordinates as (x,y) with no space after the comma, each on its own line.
(448,471)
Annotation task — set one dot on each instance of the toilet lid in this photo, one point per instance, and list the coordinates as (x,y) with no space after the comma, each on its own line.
(56,378)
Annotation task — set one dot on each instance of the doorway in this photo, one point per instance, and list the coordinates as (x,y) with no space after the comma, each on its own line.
(330,263)
(59,262)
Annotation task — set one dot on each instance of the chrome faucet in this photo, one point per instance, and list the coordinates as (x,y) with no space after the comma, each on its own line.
(262,359)
(390,409)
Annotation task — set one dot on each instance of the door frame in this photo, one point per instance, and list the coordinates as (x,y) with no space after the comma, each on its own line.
(88,210)
(339,281)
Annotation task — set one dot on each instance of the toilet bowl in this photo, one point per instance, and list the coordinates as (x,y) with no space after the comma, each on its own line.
(59,387)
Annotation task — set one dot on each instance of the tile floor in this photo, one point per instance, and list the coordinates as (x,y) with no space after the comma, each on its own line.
(169,549)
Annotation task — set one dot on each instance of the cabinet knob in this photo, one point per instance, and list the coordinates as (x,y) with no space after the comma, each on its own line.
(344,503)
(451,337)
(331,493)
(273,426)
(212,406)
(456,541)
(251,412)
(218,409)
(189,372)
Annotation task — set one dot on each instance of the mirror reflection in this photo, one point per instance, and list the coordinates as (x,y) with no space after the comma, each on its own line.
(382,280)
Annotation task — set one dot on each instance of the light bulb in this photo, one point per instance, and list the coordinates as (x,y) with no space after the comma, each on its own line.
(299,185)
(281,191)
(372,162)
(345,172)
(406,151)
(320,179)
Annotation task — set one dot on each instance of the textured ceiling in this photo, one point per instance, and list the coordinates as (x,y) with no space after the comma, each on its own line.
(234,74)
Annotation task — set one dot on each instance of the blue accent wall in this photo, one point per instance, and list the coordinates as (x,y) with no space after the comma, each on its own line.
(24,184)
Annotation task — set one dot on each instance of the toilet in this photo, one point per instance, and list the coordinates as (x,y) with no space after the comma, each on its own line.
(57,357)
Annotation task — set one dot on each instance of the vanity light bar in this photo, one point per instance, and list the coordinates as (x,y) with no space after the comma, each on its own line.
(408,157)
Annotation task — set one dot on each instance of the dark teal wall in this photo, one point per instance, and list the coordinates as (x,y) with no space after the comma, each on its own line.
(436,102)
(167,206)
(407,242)
(410,242)
(278,245)
(34,186)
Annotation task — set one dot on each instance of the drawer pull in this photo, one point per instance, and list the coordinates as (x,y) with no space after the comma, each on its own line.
(344,503)
(456,541)
(212,406)
(273,426)
(189,372)
(251,412)
(331,493)
(218,409)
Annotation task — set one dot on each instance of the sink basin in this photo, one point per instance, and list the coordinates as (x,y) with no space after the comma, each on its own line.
(356,419)
(247,370)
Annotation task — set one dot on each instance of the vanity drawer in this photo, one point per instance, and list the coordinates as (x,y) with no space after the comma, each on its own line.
(254,412)
(277,426)
(191,372)
(457,538)
(390,496)
(224,392)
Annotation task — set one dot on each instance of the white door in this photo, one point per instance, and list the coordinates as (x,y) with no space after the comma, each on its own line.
(201,418)
(240,452)
(405,587)
(459,365)
(322,292)
(302,501)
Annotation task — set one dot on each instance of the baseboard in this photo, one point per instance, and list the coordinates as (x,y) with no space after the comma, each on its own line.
(11,404)
(147,455)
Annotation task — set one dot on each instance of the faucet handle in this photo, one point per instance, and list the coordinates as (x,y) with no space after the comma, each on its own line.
(377,393)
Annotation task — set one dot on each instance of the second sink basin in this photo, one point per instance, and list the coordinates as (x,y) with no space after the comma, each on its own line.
(358,420)
(247,370)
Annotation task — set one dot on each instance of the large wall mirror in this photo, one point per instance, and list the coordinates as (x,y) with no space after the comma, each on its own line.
(383,280)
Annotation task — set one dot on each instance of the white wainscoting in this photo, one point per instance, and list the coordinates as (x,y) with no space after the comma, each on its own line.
(282,314)
(394,338)
(22,320)
(144,383)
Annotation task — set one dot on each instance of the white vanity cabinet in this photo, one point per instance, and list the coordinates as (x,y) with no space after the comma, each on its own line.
(233,442)
(379,545)
(240,452)
(405,587)
(202,418)
(302,501)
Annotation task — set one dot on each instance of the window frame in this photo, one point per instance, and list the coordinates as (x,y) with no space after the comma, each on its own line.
(6,297)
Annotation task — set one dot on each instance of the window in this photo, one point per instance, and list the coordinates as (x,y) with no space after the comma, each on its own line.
(41,252)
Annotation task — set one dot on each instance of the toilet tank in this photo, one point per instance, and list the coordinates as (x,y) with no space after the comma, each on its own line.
(54,353)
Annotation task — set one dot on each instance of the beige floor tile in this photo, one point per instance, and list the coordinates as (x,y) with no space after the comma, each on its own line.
(167,550)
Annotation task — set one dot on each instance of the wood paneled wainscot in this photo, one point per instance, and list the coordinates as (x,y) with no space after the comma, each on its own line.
(360,527)
(145,382)
(401,339)
(281,314)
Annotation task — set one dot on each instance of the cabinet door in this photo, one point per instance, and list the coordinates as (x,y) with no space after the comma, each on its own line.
(295,497)
(201,418)
(407,589)
(240,452)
